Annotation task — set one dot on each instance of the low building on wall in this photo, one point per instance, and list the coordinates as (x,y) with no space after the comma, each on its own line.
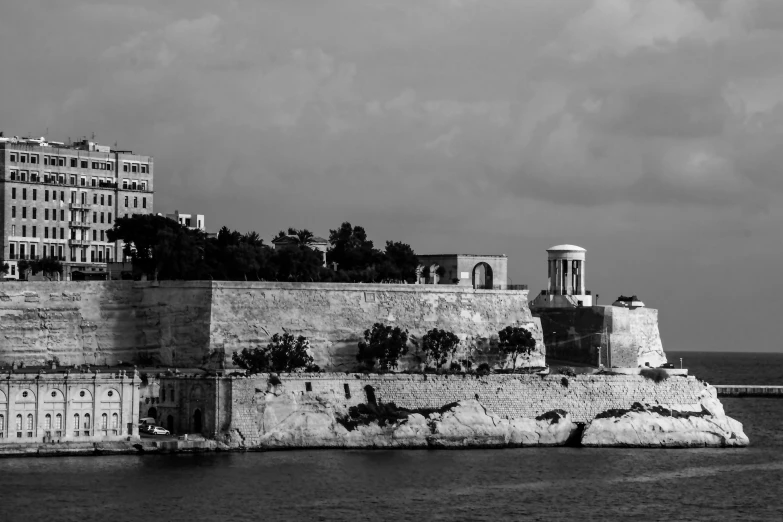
(68,406)
(476,271)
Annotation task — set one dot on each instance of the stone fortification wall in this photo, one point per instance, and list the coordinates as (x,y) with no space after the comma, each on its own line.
(608,335)
(333,317)
(104,322)
(188,323)
(507,396)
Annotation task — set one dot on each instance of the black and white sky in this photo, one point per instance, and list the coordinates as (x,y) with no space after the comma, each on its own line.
(649,132)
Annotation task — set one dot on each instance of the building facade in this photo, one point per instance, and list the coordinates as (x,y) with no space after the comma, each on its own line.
(477,271)
(56,405)
(191,221)
(59,201)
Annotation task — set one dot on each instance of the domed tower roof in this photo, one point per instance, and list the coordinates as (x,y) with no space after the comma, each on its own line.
(566,248)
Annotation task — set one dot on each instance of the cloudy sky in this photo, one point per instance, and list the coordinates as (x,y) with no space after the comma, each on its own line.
(649,132)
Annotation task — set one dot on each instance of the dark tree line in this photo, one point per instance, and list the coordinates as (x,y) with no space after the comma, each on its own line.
(164,249)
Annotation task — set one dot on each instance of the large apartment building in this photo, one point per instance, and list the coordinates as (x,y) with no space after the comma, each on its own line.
(59,200)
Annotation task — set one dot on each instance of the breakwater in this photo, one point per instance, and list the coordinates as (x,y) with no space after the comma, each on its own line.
(742,390)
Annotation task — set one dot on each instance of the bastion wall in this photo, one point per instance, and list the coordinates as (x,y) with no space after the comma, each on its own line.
(608,335)
(187,324)
(334,317)
(507,396)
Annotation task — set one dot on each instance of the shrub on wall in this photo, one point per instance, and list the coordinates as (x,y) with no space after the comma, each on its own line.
(439,346)
(285,353)
(655,374)
(383,345)
(516,341)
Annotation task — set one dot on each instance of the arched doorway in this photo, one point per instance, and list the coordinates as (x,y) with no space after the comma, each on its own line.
(170,423)
(482,276)
(153,412)
(370,392)
(197,421)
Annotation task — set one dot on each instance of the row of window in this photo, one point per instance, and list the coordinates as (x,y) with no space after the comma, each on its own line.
(97,253)
(75,234)
(57,161)
(25,426)
(105,217)
(51,177)
(95,197)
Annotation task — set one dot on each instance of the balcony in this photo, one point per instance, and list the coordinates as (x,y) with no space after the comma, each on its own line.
(78,242)
(79,224)
(106,184)
(79,206)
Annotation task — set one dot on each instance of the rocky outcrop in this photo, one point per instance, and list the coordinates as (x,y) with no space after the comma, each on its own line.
(295,421)
(699,425)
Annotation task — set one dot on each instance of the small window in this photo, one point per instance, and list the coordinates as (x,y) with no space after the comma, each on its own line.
(308,386)
(81,394)
(124,168)
(110,394)
(134,168)
(74,162)
(13,156)
(24,394)
(54,394)
(347,391)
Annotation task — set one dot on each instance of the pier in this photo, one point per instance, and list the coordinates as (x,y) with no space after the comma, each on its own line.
(733,390)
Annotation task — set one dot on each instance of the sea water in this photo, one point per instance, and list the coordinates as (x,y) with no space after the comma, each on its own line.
(505,484)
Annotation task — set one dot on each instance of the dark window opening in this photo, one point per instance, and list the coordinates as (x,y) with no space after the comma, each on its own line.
(308,386)
(347,391)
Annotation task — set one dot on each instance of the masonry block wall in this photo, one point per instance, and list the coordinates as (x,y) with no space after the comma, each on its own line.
(608,335)
(508,396)
(334,317)
(104,322)
(187,324)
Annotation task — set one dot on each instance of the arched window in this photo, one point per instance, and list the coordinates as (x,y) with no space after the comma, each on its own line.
(115,422)
(75,424)
(2,426)
(58,422)
(104,421)
(87,424)
(163,394)
(29,424)
(172,394)
(47,422)
(19,425)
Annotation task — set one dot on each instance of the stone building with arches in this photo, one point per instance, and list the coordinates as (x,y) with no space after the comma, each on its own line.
(41,406)
(486,272)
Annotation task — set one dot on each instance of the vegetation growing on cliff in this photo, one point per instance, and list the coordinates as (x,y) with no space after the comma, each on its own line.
(383,345)
(439,346)
(285,353)
(516,341)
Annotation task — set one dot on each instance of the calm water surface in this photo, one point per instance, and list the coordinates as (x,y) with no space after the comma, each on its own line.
(512,484)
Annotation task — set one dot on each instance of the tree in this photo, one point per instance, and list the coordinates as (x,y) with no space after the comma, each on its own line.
(516,341)
(298,263)
(439,345)
(383,345)
(4,268)
(399,261)
(351,249)
(160,245)
(48,265)
(285,353)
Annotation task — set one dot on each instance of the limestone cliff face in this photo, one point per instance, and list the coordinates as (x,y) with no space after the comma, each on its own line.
(334,317)
(698,425)
(295,421)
